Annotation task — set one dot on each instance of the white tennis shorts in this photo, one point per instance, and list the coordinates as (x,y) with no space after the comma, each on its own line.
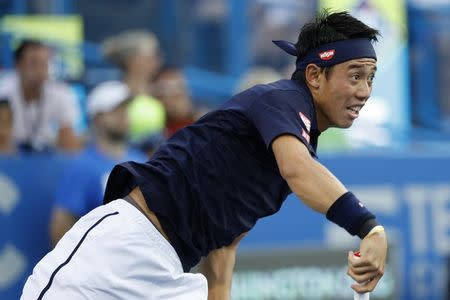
(113,252)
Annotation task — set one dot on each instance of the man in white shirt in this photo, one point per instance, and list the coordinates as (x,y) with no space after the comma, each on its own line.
(45,111)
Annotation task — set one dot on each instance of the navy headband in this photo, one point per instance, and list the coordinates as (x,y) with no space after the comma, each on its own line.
(332,53)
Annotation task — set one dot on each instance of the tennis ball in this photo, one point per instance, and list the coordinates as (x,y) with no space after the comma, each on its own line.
(146,116)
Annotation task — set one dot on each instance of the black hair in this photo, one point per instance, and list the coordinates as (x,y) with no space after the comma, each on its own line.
(24,45)
(327,28)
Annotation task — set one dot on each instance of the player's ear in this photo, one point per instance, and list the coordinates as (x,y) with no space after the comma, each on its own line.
(312,74)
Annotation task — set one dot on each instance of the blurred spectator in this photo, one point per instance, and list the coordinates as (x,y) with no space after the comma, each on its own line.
(45,111)
(170,88)
(257,75)
(150,144)
(136,53)
(275,19)
(7,145)
(82,186)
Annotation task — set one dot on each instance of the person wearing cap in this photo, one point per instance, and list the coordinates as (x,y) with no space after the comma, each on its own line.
(207,186)
(83,183)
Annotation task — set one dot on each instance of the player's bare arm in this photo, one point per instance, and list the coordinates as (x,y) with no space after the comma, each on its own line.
(307,178)
(319,189)
(218,269)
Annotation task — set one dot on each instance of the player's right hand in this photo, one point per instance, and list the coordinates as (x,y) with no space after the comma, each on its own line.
(369,267)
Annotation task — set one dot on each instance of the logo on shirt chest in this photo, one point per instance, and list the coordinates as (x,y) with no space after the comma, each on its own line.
(305,121)
(305,135)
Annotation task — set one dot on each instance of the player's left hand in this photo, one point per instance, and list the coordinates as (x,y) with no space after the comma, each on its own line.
(368,269)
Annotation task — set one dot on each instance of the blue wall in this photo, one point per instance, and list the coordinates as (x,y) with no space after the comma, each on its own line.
(26,194)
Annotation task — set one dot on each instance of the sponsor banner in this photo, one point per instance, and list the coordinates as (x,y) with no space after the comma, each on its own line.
(299,273)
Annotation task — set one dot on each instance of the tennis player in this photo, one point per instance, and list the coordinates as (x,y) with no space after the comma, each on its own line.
(210,183)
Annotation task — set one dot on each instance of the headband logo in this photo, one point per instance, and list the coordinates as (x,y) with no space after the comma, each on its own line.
(326,55)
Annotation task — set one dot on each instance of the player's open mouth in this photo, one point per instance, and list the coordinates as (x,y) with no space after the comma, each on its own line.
(354,110)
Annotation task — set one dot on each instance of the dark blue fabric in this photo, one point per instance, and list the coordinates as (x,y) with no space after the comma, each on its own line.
(214,179)
(332,53)
(287,46)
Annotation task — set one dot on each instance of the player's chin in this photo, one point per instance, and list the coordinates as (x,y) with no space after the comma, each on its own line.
(344,124)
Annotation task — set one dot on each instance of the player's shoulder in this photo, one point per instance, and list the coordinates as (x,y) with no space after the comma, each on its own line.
(280,86)
(279,91)
(283,93)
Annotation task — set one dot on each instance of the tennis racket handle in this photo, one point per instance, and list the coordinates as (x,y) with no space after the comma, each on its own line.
(356,295)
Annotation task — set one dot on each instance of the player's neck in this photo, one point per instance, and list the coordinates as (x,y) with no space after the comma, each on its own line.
(322,121)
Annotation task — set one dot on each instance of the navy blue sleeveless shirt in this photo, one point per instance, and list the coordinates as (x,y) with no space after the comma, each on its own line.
(214,179)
